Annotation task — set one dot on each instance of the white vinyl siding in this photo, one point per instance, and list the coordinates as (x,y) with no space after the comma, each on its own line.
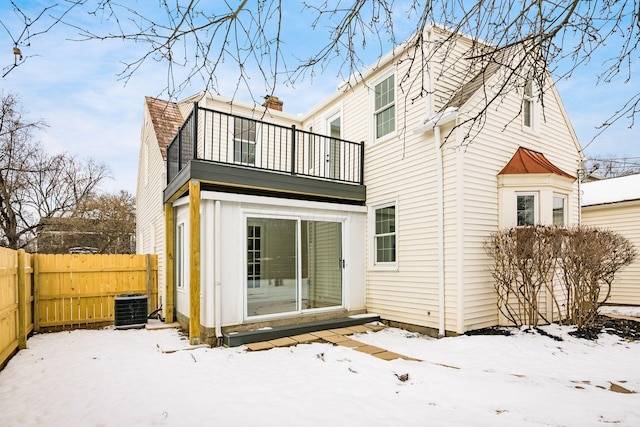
(621,217)
(151,182)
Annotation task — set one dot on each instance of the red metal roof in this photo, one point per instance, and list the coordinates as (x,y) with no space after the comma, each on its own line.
(529,161)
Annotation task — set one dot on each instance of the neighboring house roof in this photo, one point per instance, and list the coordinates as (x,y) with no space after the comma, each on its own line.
(529,161)
(166,118)
(611,190)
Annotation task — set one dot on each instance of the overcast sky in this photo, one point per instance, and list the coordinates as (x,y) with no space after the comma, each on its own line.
(74,87)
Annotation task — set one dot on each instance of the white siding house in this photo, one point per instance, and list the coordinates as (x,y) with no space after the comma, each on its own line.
(393,190)
(160,123)
(614,204)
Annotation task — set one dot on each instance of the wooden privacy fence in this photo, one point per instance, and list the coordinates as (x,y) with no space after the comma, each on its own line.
(51,292)
(80,289)
(16,315)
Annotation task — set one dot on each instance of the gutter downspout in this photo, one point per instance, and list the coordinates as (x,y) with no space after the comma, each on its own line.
(440,192)
(434,122)
(217,247)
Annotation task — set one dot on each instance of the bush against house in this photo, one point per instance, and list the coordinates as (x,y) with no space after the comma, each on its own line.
(571,269)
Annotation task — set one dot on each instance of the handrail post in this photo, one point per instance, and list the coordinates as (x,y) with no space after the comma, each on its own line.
(293,149)
(195,130)
(361,162)
(179,149)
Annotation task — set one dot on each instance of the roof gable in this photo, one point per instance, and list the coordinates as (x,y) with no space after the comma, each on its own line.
(166,119)
(526,161)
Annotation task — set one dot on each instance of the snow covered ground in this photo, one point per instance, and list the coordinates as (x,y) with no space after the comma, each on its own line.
(121,378)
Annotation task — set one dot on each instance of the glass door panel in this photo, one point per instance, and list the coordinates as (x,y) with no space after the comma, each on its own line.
(332,149)
(322,264)
(272,266)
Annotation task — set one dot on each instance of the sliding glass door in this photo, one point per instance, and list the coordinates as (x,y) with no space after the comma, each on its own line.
(292,265)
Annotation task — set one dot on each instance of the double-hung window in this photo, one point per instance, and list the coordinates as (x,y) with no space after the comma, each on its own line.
(385,235)
(385,107)
(559,210)
(244,141)
(528,106)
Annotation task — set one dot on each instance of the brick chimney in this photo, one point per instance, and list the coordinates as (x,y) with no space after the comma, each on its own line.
(272,102)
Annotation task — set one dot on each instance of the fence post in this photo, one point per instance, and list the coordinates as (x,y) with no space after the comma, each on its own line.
(22,300)
(150,304)
(36,293)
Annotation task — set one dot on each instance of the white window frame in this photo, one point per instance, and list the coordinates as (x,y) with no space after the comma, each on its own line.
(299,218)
(180,256)
(535,207)
(529,99)
(374,112)
(374,264)
(565,205)
(257,148)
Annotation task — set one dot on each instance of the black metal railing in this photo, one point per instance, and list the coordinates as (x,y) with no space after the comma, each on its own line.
(229,139)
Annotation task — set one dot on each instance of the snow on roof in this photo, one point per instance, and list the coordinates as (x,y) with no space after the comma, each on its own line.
(611,190)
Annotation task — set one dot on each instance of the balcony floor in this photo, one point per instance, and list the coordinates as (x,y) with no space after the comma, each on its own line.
(238,179)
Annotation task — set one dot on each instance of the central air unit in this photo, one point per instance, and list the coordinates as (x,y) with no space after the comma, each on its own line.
(130,311)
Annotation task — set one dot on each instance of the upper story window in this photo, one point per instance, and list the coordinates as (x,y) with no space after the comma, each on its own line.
(559,210)
(244,141)
(529,106)
(385,107)
(525,209)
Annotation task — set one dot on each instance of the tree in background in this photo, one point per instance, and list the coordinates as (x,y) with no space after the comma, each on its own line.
(610,167)
(33,184)
(102,223)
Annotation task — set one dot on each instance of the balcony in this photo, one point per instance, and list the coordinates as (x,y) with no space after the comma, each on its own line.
(226,152)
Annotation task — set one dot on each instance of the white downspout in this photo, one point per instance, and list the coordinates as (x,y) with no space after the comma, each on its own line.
(217,247)
(440,192)
(434,122)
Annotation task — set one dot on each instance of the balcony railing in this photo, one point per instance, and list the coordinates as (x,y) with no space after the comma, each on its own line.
(224,138)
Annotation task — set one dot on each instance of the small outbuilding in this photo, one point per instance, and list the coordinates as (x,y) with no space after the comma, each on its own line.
(614,204)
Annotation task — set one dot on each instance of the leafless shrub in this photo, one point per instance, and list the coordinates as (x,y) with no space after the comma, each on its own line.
(524,266)
(529,261)
(590,259)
